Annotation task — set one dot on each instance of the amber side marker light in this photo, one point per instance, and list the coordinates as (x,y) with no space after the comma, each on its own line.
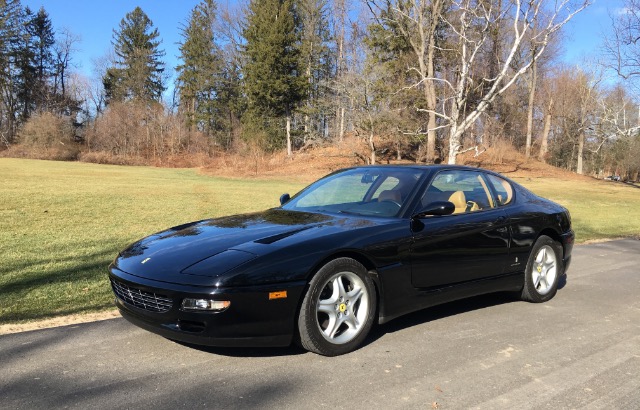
(278,295)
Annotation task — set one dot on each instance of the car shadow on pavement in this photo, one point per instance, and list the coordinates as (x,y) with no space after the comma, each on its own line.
(440,312)
(292,350)
(409,320)
(448,309)
(401,323)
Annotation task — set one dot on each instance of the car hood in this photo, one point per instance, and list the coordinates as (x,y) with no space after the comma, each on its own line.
(230,241)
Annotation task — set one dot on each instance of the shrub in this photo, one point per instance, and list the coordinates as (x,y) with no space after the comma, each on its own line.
(143,132)
(46,130)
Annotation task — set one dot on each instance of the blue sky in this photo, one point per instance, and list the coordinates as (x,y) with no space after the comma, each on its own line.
(94,22)
(583,34)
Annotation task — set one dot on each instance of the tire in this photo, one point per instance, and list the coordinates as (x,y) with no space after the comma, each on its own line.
(338,309)
(544,269)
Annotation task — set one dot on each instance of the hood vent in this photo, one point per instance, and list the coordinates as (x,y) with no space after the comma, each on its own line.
(275,238)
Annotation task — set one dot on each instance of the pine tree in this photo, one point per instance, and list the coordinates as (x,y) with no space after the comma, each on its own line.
(274,77)
(138,72)
(201,68)
(406,41)
(25,74)
(11,35)
(318,61)
(41,41)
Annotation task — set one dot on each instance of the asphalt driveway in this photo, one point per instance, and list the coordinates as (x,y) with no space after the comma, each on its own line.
(580,350)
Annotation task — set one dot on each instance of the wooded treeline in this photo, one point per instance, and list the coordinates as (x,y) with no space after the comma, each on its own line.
(423,80)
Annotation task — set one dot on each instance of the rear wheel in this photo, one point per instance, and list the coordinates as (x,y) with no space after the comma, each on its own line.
(543,270)
(338,310)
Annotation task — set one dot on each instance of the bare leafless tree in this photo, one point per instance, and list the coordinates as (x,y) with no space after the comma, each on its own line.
(471,23)
(64,48)
(622,53)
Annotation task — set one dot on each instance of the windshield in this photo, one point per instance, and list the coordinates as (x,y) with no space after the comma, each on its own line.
(363,191)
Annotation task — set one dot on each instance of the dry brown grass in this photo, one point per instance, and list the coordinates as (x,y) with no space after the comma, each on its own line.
(63,152)
(309,164)
(304,165)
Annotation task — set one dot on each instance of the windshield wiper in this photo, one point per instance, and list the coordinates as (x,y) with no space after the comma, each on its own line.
(350,213)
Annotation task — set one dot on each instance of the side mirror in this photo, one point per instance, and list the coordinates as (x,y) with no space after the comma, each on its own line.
(436,209)
(284,198)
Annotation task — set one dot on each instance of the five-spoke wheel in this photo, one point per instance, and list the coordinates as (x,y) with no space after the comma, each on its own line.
(339,308)
(543,270)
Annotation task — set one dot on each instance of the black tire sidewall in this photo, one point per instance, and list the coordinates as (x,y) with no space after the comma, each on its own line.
(310,336)
(529,292)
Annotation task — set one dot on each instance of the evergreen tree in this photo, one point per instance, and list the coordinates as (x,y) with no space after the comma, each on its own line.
(11,34)
(25,75)
(199,74)
(41,41)
(139,69)
(318,61)
(406,40)
(274,77)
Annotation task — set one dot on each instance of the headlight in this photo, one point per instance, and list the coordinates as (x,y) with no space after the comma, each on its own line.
(205,305)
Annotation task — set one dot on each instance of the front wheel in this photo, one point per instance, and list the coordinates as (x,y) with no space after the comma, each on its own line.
(543,271)
(338,310)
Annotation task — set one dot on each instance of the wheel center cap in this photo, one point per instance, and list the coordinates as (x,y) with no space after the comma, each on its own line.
(539,268)
(342,307)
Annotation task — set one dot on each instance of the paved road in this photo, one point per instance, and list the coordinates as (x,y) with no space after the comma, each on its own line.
(580,350)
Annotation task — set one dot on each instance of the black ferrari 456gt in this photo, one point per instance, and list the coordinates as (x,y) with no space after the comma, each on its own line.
(359,246)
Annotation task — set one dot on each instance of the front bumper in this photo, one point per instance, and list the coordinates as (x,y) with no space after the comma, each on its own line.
(568,240)
(251,319)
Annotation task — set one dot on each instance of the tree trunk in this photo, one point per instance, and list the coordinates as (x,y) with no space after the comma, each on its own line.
(340,18)
(307,120)
(580,152)
(289,152)
(372,146)
(544,143)
(342,110)
(532,95)
(430,86)
(454,143)
(430,96)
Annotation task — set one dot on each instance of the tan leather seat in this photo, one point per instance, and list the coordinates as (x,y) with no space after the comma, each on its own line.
(390,195)
(509,193)
(458,199)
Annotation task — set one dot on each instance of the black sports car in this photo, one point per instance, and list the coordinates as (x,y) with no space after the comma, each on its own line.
(360,245)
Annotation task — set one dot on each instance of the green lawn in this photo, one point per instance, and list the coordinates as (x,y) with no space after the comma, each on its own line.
(62,223)
(599,209)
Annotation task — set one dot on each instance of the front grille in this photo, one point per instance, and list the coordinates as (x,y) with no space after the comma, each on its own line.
(141,299)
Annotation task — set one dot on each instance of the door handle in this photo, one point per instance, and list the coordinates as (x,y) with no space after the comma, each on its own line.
(500,221)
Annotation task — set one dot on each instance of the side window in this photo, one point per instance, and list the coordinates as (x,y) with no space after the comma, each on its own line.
(467,190)
(503,189)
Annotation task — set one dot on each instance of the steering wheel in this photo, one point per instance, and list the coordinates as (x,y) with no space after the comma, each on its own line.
(472,206)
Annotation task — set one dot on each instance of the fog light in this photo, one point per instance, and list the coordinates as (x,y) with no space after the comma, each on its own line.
(206,305)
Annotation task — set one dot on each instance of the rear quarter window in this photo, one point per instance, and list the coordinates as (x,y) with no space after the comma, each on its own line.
(502,188)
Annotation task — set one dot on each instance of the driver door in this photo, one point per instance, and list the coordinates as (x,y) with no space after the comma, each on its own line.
(470,244)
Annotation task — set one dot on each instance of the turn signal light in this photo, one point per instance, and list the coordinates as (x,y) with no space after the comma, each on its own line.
(205,305)
(278,295)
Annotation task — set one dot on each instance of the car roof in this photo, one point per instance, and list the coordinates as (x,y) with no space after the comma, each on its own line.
(425,167)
